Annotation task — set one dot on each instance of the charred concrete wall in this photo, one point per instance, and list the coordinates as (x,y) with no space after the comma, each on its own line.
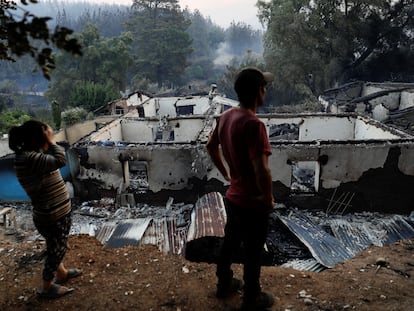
(135,130)
(340,127)
(377,100)
(341,153)
(167,166)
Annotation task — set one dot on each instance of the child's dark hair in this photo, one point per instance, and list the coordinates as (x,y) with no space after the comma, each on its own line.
(29,136)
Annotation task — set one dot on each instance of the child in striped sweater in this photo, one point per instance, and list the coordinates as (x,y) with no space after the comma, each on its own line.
(37,162)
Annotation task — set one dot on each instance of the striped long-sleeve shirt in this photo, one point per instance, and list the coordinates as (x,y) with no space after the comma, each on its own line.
(39,175)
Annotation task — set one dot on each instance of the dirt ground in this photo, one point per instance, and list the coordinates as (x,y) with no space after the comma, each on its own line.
(142,278)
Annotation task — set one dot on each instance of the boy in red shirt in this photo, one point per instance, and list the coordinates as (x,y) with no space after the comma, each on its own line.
(249,199)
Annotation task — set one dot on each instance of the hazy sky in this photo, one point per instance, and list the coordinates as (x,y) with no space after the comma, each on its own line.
(221,12)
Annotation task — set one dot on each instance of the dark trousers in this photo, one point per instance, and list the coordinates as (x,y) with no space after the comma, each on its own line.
(247,226)
(56,236)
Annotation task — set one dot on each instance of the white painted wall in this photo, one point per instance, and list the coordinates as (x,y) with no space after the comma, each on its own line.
(186,129)
(4,147)
(149,108)
(111,132)
(134,100)
(380,113)
(407,99)
(390,101)
(317,127)
(74,133)
(327,128)
(138,131)
(166,105)
(406,163)
(364,131)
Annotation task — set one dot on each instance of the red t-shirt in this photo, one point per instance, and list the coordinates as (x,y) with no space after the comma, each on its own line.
(242,137)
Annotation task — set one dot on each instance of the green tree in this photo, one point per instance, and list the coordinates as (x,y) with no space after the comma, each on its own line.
(57,114)
(314,45)
(23,33)
(90,95)
(206,38)
(97,77)
(72,116)
(242,38)
(9,94)
(161,43)
(12,118)
(233,67)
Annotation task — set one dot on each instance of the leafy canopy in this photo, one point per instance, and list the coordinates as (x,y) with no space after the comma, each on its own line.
(161,43)
(23,33)
(318,44)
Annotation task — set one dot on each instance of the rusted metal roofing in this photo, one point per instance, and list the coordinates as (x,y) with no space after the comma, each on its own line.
(208,217)
(165,234)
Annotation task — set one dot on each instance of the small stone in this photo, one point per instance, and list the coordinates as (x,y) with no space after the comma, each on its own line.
(308,301)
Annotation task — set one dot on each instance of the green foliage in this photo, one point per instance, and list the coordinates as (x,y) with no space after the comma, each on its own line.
(26,34)
(74,115)
(97,77)
(9,94)
(234,66)
(206,38)
(161,43)
(12,118)
(57,114)
(90,95)
(318,44)
(242,38)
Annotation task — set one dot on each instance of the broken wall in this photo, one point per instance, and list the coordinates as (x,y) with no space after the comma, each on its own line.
(407,99)
(341,127)
(346,152)
(184,129)
(390,101)
(4,147)
(111,132)
(169,166)
(74,133)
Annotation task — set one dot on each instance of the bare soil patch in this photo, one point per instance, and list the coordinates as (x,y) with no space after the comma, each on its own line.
(142,278)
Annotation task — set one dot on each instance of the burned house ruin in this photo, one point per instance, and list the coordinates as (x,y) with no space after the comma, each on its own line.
(335,164)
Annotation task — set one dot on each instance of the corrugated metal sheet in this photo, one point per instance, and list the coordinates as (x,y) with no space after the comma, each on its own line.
(350,234)
(355,236)
(208,217)
(166,235)
(128,232)
(305,265)
(105,232)
(325,248)
(358,234)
